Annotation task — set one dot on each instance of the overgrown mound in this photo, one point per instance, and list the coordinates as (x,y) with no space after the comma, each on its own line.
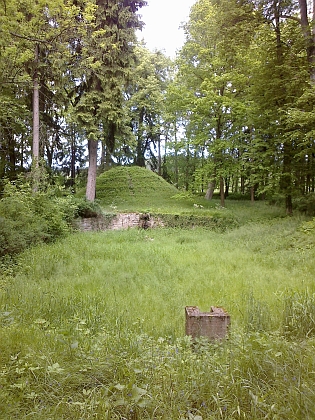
(137,189)
(132,184)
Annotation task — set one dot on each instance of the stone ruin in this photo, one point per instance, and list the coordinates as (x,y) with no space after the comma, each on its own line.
(213,325)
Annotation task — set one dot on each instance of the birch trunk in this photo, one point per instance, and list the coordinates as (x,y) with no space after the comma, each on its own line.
(91,180)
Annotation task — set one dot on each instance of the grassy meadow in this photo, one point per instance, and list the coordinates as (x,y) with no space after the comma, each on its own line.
(92,326)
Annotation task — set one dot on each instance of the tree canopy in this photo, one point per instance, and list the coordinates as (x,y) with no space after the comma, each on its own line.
(233,112)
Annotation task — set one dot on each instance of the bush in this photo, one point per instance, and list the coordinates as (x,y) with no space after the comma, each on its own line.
(276,200)
(28,218)
(87,209)
(238,196)
(305,204)
(20,227)
(215,222)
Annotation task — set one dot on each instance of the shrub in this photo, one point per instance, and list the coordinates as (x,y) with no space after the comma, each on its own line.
(28,218)
(276,200)
(87,209)
(305,204)
(214,222)
(19,226)
(238,196)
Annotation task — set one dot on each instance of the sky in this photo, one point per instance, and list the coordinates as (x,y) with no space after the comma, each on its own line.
(162,19)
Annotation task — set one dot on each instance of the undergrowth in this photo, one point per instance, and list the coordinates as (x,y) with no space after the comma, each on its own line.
(93,326)
(28,218)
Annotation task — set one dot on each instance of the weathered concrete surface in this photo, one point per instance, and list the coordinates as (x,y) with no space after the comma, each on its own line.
(119,221)
(213,325)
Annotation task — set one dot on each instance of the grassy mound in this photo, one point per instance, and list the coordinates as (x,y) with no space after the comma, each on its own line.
(135,189)
(133,186)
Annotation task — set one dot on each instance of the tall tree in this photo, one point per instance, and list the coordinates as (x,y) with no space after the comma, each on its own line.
(213,66)
(38,34)
(276,86)
(146,99)
(106,56)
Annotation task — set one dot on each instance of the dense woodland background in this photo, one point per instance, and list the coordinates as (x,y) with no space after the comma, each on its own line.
(234,111)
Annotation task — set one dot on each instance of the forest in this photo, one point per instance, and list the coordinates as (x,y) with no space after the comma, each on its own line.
(232,113)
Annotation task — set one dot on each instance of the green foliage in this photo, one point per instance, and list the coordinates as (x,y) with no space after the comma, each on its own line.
(214,67)
(216,221)
(146,102)
(28,218)
(305,204)
(18,227)
(86,208)
(184,195)
(238,196)
(252,375)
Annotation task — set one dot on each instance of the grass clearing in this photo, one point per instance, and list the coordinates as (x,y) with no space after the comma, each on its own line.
(93,326)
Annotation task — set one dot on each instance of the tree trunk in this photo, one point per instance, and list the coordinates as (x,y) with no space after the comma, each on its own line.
(175,155)
(159,157)
(309,36)
(73,154)
(286,179)
(22,152)
(252,194)
(91,181)
(210,190)
(235,184)
(103,155)
(2,160)
(140,161)
(11,154)
(288,205)
(187,168)
(35,146)
(242,184)
(227,187)
(36,110)
(222,198)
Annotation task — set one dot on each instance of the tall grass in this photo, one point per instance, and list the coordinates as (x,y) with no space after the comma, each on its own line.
(93,326)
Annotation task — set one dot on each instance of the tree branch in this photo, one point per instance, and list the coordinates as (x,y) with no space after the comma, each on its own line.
(39,41)
(292,18)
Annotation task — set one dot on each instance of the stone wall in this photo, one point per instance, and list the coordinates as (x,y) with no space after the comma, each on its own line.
(117,222)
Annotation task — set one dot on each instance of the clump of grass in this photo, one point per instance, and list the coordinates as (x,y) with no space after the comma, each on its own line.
(257,316)
(299,314)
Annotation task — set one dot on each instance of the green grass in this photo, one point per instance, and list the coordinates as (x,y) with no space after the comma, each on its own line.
(93,326)
(134,189)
